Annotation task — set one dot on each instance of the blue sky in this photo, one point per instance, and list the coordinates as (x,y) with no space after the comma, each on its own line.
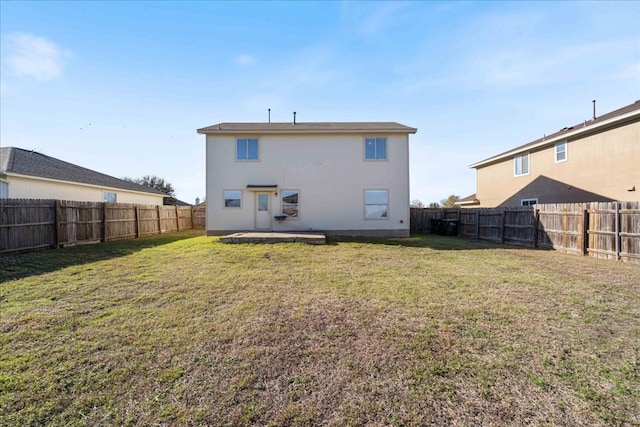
(121,87)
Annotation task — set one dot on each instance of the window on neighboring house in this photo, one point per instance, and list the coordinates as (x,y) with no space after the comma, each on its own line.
(521,164)
(4,189)
(376,204)
(561,152)
(375,148)
(247,149)
(529,202)
(109,197)
(232,198)
(290,203)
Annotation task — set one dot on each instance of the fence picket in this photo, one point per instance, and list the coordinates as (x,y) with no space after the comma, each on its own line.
(608,230)
(30,224)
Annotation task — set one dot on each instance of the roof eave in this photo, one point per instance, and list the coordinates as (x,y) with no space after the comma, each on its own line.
(299,131)
(555,139)
(211,130)
(468,203)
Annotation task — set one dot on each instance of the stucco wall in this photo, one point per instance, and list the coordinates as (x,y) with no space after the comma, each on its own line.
(599,167)
(329,171)
(21,187)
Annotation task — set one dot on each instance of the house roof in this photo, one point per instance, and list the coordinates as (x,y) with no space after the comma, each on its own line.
(630,112)
(469,200)
(298,127)
(31,163)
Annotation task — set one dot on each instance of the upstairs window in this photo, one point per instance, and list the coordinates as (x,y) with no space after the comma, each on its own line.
(529,202)
(561,152)
(376,204)
(375,148)
(247,149)
(521,164)
(290,203)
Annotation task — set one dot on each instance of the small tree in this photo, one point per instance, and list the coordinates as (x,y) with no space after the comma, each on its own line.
(434,205)
(158,183)
(417,203)
(450,202)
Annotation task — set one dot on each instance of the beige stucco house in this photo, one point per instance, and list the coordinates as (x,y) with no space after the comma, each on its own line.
(597,160)
(26,174)
(337,178)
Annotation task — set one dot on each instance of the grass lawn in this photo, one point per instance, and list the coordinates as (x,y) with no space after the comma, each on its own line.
(179,329)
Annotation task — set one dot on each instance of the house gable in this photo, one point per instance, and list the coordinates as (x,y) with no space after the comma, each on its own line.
(592,161)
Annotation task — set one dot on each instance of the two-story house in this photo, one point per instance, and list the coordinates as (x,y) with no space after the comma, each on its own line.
(596,160)
(338,178)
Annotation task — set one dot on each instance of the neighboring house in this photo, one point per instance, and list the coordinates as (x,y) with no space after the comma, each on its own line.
(337,178)
(597,160)
(32,175)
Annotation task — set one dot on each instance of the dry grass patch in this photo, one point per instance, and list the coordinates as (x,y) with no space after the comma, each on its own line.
(182,330)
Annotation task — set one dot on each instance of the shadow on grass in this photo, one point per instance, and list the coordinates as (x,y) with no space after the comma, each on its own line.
(431,241)
(25,264)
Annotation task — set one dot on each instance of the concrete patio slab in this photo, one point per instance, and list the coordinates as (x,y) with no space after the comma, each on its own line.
(270,237)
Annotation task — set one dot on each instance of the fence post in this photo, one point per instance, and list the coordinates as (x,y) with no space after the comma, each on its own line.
(159,219)
(193,217)
(104,222)
(617,230)
(137,221)
(57,213)
(585,232)
(477,223)
(536,225)
(504,225)
(177,219)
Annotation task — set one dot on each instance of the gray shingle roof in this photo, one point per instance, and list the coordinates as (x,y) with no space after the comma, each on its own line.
(317,127)
(585,126)
(31,163)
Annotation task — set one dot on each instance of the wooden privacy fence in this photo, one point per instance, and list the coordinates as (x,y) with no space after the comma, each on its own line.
(604,230)
(31,224)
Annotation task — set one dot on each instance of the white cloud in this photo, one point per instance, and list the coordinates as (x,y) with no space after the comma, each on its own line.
(34,56)
(244,60)
(371,19)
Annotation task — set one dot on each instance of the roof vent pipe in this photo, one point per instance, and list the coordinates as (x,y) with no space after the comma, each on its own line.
(594,109)
(269,115)
(294,117)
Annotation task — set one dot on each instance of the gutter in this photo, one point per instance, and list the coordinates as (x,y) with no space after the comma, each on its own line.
(550,141)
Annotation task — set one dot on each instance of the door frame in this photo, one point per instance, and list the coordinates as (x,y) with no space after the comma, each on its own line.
(255,210)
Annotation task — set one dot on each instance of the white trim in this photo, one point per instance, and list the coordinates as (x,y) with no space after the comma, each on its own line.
(555,151)
(4,188)
(551,141)
(528,155)
(467,202)
(375,138)
(115,196)
(256,207)
(247,159)
(224,199)
(364,204)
